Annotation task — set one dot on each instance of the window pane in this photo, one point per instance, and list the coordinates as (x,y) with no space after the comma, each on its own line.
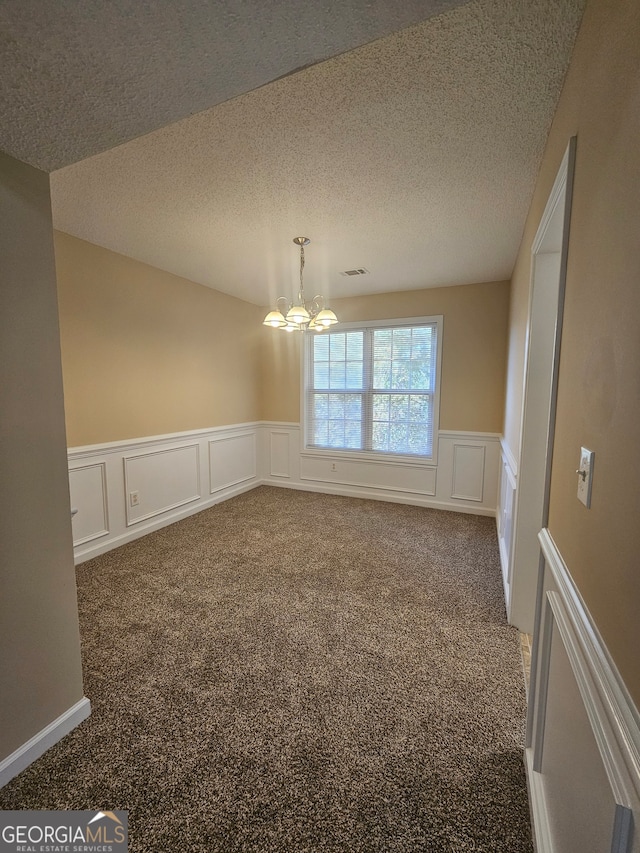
(320,348)
(401,343)
(321,432)
(336,433)
(380,436)
(337,346)
(400,375)
(399,438)
(353,406)
(382,375)
(354,374)
(355,346)
(381,407)
(421,340)
(320,405)
(353,435)
(336,406)
(400,407)
(321,374)
(419,407)
(382,343)
(421,374)
(418,438)
(337,377)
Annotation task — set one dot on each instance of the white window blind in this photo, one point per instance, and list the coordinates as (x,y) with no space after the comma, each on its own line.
(373,389)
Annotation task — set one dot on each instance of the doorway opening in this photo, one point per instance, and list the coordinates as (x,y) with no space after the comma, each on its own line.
(544,332)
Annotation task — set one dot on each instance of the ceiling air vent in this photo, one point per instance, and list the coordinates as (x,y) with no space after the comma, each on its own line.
(359,271)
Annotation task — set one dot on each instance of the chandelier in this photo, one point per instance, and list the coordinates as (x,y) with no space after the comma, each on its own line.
(300,315)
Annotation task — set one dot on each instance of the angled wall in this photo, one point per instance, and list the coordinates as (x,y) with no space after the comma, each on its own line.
(145,352)
(40,667)
(599,381)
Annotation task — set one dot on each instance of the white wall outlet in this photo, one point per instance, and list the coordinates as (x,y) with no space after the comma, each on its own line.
(585,476)
(134,498)
(333,466)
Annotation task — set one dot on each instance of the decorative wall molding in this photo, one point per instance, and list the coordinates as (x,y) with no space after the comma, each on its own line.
(510,458)
(279,445)
(232,460)
(465,435)
(179,474)
(369,474)
(163,478)
(472,488)
(583,754)
(617,703)
(41,742)
(175,475)
(88,487)
(133,444)
(467,482)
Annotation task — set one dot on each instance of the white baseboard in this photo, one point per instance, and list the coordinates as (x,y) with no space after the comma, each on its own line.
(539,817)
(98,548)
(171,477)
(126,489)
(377,495)
(44,740)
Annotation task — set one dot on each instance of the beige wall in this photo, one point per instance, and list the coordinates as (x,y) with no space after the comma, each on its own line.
(40,668)
(599,385)
(145,352)
(473,356)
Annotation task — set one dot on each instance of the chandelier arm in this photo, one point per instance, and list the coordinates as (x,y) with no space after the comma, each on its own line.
(285,302)
(316,305)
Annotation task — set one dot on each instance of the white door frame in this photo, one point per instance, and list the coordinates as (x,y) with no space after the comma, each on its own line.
(542,358)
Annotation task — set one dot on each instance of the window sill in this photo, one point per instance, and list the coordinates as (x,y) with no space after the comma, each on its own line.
(372,457)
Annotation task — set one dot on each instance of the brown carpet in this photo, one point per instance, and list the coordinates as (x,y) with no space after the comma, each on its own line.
(290,672)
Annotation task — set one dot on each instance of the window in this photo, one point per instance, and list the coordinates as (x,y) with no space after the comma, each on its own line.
(374,388)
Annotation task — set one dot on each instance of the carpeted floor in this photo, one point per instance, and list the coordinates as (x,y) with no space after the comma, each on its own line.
(291,672)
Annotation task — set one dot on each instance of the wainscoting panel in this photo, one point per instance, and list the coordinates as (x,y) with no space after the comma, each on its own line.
(163,480)
(473,487)
(583,754)
(385,476)
(88,489)
(279,453)
(174,476)
(468,472)
(179,474)
(232,460)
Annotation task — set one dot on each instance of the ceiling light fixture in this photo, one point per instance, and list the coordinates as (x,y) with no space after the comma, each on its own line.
(300,315)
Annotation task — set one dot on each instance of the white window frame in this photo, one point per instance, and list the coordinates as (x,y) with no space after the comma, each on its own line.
(372,455)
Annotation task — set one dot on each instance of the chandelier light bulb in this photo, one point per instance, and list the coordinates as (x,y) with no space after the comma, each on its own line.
(275,320)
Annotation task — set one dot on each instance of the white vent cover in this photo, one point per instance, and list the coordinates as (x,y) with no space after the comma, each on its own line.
(359,271)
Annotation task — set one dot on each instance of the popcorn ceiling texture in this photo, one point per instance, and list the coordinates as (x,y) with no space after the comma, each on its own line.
(79,78)
(414,156)
(252,691)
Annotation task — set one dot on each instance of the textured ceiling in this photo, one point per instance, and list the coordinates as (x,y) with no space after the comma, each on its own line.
(81,76)
(414,156)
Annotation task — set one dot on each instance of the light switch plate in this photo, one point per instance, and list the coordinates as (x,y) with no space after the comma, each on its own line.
(585,476)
